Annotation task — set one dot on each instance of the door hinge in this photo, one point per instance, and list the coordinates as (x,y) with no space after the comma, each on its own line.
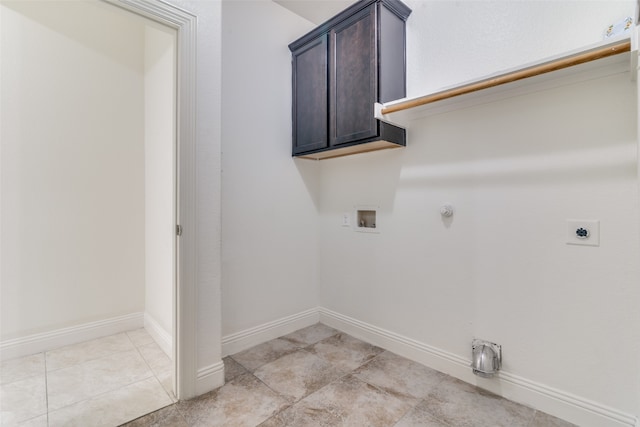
(179,230)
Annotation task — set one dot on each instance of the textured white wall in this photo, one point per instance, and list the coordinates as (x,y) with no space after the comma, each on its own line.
(268,213)
(159,118)
(72,182)
(451,42)
(515,170)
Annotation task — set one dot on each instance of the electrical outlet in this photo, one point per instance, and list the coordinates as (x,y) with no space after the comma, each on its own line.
(346,219)
(583,232)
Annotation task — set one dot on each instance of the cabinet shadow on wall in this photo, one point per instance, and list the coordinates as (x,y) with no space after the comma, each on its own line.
(341,183)
(309,171)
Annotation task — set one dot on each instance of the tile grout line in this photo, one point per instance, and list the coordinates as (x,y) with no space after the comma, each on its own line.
(353,373)
(339,378)
(47,372)
(137,347)
(418,399)
(100,394)
(107,391)
(153,373)
(96,358)
(425,398)
(180,413)
(286,398)
(347,373)
(46,385)
(303,348)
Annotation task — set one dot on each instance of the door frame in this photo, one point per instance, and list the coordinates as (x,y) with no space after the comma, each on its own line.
(184,298)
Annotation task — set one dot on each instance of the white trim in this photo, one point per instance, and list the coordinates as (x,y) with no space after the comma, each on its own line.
(46,341)
(210,377)
(161,336)
(185,24)
(547,399)
(243,340)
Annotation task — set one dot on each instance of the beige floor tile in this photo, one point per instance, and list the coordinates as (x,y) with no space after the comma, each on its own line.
(347,402)
(22,368)
(165,417)
(244,401)
(396,374)
(75,354)
(22,400)
(298,381)
(310,335)
(462,405)
(420,417)
(166,379)
(545,420)
(41,421)
(345,352)
(297,375)
(264,353)
(113,408)
(157,359)
(140,337)
(232,369)
(81,382)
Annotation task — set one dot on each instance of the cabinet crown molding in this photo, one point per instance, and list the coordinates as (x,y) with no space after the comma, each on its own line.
(396,6)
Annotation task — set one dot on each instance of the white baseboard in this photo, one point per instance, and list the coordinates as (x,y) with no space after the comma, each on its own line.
(248,338)
(210,378)
(159,335)
(45,341)
(561,404)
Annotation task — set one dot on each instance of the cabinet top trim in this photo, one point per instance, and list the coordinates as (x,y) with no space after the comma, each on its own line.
(395,6)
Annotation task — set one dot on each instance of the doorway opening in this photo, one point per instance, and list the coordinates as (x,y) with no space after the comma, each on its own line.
(89,200)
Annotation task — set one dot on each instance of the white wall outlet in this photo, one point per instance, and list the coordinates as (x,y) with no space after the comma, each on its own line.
(346,219)
(583,232)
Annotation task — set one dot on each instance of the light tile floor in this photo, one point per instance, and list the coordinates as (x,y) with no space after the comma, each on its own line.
(103,382)
(320,377)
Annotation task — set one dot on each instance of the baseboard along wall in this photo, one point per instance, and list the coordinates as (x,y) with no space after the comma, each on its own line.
(162,337)
(248,338)
(45,341)
(547,399)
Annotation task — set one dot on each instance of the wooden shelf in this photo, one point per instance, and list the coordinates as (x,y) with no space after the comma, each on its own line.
(607,58)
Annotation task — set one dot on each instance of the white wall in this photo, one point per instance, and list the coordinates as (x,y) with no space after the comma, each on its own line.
(72,185)
(208,187)
(159,116)
(515,170)
(269,216)
(449,43)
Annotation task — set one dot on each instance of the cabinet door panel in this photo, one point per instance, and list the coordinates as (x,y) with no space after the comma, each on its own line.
(310,97)
(354,77)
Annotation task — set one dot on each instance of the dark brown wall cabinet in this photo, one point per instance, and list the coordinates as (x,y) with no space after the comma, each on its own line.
(340,70)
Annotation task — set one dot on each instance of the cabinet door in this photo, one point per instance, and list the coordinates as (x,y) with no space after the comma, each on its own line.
(310,96)
(354,78)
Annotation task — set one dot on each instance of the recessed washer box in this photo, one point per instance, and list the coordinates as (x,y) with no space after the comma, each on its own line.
(366,219)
